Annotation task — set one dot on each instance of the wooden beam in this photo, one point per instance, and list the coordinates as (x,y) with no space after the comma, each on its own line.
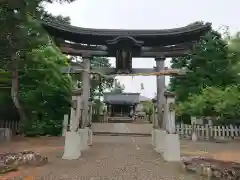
(165,54)
(166,51)
(171,48)
(76,70)
(77,52)
(78,46)
(111,71)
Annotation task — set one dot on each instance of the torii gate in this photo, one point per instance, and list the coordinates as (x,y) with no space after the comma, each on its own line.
(124,45)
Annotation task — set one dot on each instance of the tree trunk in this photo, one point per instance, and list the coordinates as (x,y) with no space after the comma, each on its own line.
(15,90)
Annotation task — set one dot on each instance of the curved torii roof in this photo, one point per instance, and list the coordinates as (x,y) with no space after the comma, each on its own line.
(189,33)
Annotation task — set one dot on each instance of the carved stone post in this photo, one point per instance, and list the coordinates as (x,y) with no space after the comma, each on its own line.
(171,142)
(160,89)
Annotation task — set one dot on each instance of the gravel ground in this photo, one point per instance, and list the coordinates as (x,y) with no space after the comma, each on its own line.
(113,157)
(110,158)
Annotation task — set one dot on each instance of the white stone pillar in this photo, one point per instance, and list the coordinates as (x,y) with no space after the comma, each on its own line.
(65,124)
(171,139)
(72,137)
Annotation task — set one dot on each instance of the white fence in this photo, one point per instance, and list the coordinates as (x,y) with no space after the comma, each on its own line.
(208,132)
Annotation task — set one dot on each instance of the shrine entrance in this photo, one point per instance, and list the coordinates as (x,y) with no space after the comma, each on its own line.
(123,45)
(121,107)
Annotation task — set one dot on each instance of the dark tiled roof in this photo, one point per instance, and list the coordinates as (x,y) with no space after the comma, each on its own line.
(152,37)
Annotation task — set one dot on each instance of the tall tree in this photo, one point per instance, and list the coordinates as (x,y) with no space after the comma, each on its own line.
(221,98)
(19,27)
(208,65)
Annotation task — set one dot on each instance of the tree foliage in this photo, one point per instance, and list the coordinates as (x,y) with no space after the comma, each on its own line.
(207,62)
(210,88)
(30,65)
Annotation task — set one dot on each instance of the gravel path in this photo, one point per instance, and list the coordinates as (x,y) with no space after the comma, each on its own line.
(121,128)
(111,158)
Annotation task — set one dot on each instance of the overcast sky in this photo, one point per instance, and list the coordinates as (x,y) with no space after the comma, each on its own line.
(148,14)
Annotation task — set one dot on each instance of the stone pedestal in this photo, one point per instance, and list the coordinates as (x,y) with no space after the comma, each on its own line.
(72,146)
(160,140)
(83,133)
(172,148)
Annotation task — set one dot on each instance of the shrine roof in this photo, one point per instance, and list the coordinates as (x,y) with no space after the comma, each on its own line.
(151,37)
(121,98)
(143,98)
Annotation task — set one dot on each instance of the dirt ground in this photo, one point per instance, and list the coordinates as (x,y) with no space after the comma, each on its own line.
(111,157)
